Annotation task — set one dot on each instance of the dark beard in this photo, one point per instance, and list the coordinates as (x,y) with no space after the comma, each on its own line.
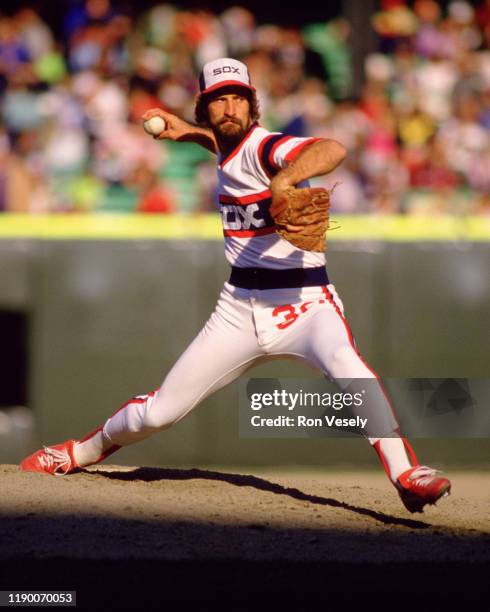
(228,140)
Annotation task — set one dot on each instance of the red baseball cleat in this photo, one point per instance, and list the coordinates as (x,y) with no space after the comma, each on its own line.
(57,460)
(420,485)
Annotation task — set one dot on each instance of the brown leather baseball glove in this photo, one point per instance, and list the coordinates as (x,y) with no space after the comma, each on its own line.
(302,216)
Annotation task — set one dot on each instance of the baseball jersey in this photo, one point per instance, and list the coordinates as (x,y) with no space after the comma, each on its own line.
(244,199)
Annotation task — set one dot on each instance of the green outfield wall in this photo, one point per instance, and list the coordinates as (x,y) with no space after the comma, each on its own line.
(106,319)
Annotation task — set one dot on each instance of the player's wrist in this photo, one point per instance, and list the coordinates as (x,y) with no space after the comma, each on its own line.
(281,182)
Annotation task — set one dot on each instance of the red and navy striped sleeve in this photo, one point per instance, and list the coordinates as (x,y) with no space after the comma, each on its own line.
(277,150)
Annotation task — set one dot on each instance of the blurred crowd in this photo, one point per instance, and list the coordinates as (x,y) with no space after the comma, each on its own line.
(417,129)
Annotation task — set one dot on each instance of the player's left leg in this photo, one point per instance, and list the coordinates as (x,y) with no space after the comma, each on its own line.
(325,341)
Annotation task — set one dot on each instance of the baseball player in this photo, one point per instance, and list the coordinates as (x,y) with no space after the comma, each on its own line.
(278,300)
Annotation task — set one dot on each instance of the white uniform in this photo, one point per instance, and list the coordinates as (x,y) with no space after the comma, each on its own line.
(278,303)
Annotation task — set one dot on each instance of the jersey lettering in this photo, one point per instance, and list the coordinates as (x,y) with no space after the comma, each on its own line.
(241,217)
(247,220)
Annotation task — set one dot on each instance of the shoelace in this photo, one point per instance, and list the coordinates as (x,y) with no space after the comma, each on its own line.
(423,475)
(53,456)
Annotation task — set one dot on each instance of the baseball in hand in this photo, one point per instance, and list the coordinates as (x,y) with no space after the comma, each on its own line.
(154,126)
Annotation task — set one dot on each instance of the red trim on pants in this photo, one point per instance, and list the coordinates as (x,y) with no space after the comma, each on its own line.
(329,297)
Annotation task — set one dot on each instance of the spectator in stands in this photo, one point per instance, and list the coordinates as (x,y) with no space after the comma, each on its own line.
(71,103)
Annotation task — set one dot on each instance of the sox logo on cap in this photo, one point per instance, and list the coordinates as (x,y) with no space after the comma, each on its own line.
(223,72)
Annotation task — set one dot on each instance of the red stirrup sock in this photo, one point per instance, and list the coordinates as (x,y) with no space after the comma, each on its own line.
(93,448)
(396,455)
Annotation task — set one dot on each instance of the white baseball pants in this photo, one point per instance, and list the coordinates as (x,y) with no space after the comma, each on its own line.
(247,327)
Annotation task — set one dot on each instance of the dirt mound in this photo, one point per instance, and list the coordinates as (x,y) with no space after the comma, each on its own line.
(192,526)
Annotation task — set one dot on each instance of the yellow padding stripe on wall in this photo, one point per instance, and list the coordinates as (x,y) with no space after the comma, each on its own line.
(208,227)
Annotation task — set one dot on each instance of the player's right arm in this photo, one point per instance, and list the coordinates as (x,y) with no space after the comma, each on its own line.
(181,131)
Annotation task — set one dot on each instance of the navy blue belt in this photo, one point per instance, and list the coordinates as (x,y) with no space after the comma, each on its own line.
(265,278)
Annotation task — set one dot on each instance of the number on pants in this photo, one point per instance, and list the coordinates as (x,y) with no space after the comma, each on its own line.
(290,314)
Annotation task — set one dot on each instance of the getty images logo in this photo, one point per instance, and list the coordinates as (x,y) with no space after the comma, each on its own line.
(226,69)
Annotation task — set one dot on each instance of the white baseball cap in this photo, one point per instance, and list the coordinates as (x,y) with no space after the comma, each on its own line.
(222,73)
